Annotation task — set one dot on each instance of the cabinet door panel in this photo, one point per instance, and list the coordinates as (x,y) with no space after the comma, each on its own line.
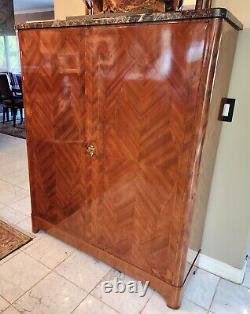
(54,87)
(142,90)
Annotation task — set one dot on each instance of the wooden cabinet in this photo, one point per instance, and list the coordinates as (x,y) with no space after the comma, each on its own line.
(118,120)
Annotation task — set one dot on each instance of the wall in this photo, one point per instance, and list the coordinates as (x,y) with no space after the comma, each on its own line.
(65,8)
(37,16)
(6,17)
(228,219)
(239,8)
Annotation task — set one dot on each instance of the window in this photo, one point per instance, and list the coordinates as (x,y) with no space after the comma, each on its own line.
(3,65)
(9,54)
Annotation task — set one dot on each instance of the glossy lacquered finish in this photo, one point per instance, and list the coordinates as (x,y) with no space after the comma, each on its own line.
(116,121)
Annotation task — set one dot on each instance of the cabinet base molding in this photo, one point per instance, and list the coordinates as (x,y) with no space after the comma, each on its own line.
(171,294)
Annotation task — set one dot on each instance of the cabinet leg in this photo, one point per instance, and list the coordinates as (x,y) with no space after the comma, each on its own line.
(173,299)
(35,228)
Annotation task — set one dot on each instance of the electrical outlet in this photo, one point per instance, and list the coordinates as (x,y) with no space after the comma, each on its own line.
(227,109)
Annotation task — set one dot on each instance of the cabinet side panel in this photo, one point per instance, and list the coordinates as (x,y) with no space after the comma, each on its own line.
(211,141)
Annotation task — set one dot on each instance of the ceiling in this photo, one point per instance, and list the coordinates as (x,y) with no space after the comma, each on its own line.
(33,5)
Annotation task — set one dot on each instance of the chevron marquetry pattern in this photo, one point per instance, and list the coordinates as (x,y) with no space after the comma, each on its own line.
(132,92)
(54,89)
(138,78)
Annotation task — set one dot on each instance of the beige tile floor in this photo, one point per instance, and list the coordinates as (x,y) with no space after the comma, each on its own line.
(48,276)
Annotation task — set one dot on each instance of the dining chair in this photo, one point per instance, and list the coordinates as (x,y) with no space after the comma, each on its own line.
(20,83)
(9,101)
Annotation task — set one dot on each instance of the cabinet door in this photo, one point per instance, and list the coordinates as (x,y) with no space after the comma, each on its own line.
(53,88)
(141,88)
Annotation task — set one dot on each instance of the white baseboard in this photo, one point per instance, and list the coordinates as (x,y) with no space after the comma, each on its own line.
(218,268)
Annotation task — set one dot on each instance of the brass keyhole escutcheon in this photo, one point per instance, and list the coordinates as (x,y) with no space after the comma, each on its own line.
(91,150)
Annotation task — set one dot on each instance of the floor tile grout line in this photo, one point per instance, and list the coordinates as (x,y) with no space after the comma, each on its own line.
(71,255)
(29,233)
(16,201)
(9,307)
(209,310)
(34,239)
(54,269)
(28,217)
(108,305)
(13,303)
(191,301)
(10,223)
(73,283)
(17,173)
(6,301)
(112,269)
(89,294)
(148,302)
(13,209)
(219,278)
(16,186)
(3,205)
(104,303)
(50,272)
(37,260)
(9,257)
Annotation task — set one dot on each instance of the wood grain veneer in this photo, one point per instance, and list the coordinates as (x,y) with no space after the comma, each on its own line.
(141,95)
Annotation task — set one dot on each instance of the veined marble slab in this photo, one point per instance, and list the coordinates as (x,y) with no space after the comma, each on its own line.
(131,18)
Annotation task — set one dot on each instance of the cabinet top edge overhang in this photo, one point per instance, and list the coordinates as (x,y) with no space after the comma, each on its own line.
(132,18)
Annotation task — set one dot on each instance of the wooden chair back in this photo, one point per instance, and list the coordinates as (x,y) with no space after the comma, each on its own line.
(19,80)
(5,90)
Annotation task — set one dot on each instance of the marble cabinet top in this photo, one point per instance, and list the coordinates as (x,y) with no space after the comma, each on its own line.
(131,18)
